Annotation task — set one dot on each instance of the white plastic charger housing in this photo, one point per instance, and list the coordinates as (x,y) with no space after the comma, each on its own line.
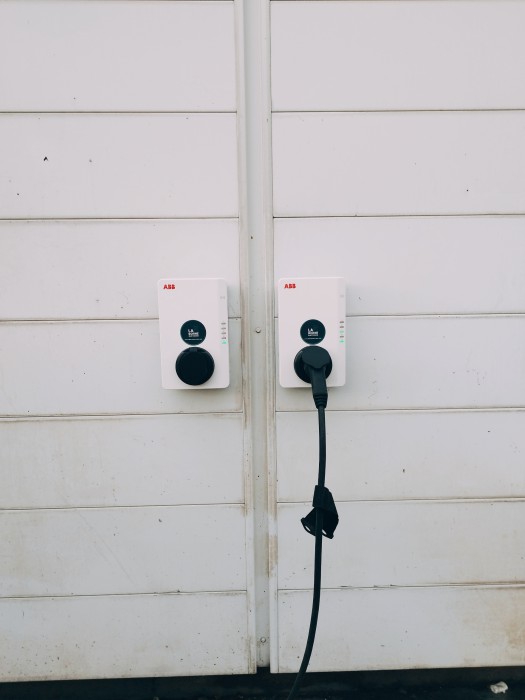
(311,311)
(193,313)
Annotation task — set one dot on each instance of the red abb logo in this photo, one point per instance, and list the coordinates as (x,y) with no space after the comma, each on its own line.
(169,286)
(289,285)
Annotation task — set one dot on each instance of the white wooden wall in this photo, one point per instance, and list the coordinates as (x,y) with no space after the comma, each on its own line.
(125,546)
(126,511)
(399,163)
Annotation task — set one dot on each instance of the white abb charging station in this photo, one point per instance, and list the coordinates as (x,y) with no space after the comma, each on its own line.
(311,312)
(193,324)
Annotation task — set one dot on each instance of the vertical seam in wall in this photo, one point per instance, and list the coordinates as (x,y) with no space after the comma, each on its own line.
(244,279)
(256,248)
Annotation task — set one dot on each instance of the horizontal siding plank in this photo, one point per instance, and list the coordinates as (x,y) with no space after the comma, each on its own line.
(404,455)
(111,165)
(124,636)
(339,164)
(427,362)
(408,543)
(405,628)
(112,56)
(114,461)
(97,551)
(397,55)
(411,265)
(55,270)
(99,367)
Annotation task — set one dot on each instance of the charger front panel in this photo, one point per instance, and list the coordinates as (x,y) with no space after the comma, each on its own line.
(193,325)
(311,311)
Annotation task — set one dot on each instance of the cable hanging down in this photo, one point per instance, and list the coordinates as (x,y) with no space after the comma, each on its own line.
(313,364)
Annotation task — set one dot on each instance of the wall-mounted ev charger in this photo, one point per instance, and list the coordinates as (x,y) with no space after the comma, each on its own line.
(193,324)
(311,313)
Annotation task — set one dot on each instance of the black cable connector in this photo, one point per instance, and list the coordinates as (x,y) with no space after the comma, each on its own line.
(324,501)
(313,365)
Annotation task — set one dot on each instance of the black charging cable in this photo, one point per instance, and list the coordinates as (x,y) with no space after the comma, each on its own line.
(313,365)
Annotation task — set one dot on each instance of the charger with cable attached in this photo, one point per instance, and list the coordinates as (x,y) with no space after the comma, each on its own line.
(311,314)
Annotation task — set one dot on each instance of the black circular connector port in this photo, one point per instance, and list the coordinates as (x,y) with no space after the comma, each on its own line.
(194,366)
(317,357)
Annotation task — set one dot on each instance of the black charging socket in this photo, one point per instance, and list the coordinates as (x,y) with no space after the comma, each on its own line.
(313,365)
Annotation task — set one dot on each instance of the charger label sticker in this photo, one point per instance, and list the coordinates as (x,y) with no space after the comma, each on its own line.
(312,331)
(193,332)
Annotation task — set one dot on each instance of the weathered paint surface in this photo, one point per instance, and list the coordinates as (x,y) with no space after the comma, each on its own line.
(451,626)
(397,160)
(398,164)
(126,547)
(62,56)
(384,55)
(124,636)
